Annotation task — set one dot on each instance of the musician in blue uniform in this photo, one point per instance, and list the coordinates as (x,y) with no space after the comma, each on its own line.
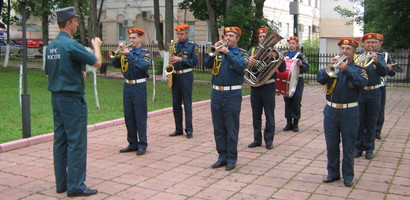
(294,103)
(263,100)
(389,63)
(341,114)
(134,66)
(226,97)
(64,59)
(184,59)
(369,99)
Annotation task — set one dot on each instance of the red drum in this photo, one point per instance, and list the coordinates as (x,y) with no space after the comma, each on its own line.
(287,81)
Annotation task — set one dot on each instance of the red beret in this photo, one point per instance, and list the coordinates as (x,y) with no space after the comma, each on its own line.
(262,30)
(368,36)
(348,41)
(182,27)
(233,29)
(136,30)
(379,36)
(293,38)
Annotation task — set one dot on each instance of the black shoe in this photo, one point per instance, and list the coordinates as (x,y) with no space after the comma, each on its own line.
(86,192)
(254,144)
(329,179)
(348,183)
(378,136)
(175,134)
(62,191)
(230,166)
(269,146)
(288,126)
(189,134)
(128,149)
(218,164)
(369,155)
(140,152)
(356,154)
(295,125)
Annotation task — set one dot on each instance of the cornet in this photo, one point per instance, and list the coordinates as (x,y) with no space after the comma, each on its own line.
(213,50)
(332,70)
(114,54)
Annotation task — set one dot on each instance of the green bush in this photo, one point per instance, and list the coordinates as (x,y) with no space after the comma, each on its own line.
(159,62)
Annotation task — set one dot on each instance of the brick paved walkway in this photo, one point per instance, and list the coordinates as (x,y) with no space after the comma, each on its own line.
(178,168)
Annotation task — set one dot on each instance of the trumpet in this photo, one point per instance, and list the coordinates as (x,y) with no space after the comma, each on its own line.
(114,54)
(213,50)
(365,59)
(332,70)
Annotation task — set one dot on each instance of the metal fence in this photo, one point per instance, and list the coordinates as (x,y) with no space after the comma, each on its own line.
(315,59)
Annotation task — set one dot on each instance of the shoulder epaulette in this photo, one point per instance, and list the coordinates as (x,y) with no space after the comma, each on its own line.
(244,50)
(144,49)
(191,42)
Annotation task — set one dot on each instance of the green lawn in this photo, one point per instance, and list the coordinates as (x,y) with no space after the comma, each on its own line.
(109,92)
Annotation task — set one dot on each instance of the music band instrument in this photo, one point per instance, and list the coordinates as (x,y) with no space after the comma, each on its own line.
(365,59)
(169,69)
(332,70)
(260,73)
(213,50)
(287,81)
(114,54)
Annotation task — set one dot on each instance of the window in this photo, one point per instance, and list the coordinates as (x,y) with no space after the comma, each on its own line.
(121,32)
(191,33)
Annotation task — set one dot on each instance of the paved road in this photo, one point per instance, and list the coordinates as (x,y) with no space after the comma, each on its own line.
(179,168)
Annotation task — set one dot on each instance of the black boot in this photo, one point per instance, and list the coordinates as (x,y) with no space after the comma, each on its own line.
(295,125)
(288,126)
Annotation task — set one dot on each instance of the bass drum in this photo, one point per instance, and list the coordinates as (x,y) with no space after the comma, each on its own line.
(287,81)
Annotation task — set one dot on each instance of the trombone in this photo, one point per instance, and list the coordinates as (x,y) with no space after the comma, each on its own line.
(213,50)
(114,54)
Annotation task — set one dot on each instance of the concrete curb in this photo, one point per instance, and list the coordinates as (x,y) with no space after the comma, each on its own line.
(8,146)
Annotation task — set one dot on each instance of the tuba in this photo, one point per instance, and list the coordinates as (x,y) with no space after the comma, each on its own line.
(332,70)
(114,54)
(169,69)
(260,73)
(365,59)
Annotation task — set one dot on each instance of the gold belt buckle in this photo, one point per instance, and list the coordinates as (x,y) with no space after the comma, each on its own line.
(132,81)
(339,106)
(221,88)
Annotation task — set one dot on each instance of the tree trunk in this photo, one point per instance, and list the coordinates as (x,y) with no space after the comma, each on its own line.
(99,19)
(212,22)
(228,5)
(93,27)
(44,22)
(159,35)
(83,36)
(258,15)
(169,21)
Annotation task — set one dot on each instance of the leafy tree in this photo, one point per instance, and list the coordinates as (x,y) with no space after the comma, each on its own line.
(240,13)
(387,17)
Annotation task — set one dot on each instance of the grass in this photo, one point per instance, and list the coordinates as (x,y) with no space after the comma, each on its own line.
(110,99)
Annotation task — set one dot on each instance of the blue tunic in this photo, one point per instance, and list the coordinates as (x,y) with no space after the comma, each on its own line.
(294,103)
(182,84)
(135,97)
(342,124)
(226,105)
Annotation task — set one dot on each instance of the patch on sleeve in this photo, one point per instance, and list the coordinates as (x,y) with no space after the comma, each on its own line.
(147,57)
(364,74)
(196,50)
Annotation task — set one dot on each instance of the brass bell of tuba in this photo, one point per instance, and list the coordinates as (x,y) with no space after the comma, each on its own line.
(365,59)
(114,54)
(332,70)
(260,73)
